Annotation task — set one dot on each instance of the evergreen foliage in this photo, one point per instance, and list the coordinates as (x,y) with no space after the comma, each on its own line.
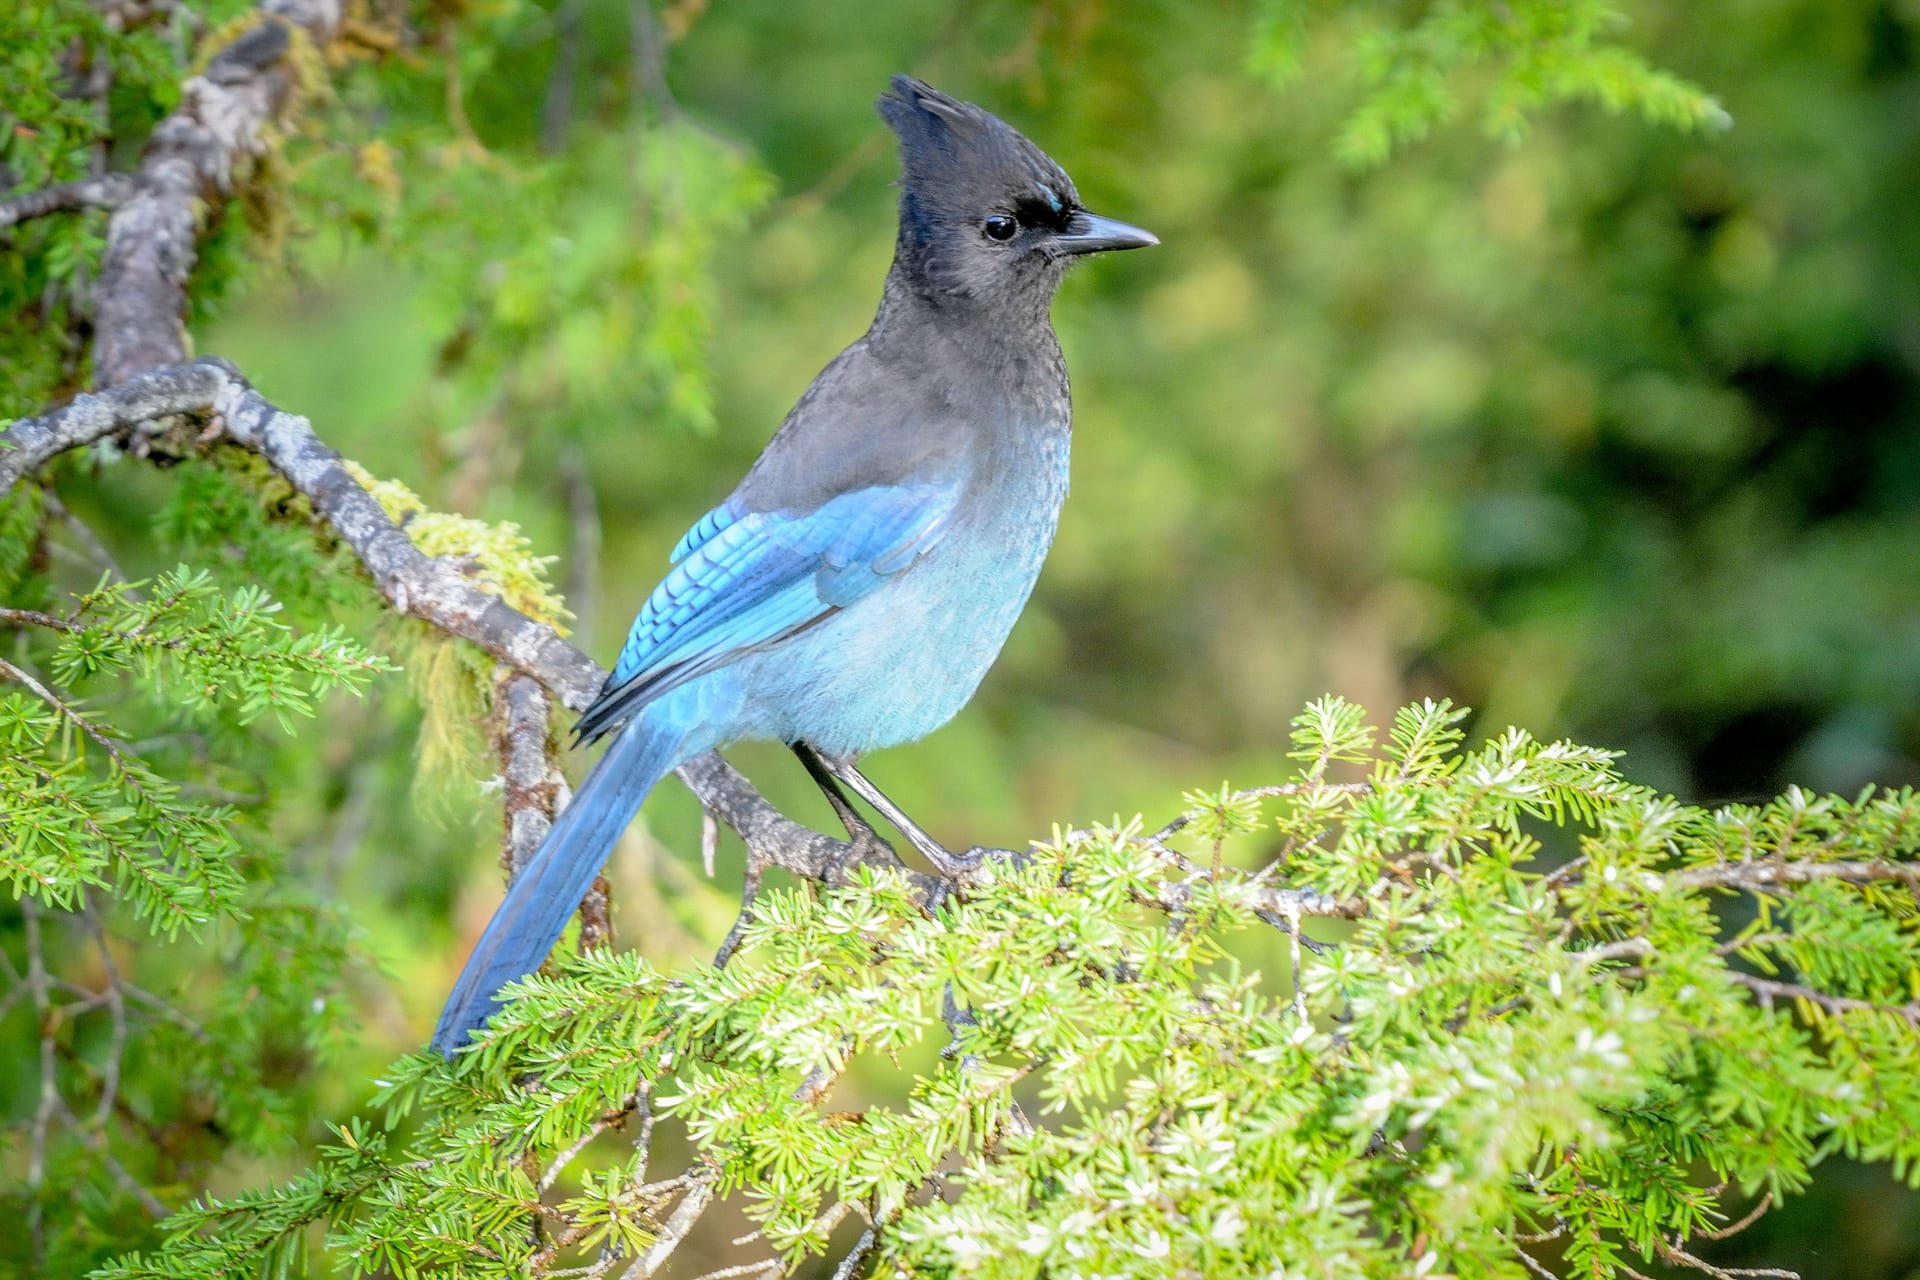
(1085,1072)
(1419,64)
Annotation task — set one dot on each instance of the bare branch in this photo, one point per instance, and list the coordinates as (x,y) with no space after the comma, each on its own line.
(1533,1264)
(749,891)
(673,1232)
(1681,1258)
(1275,906)
(556,111)
(116,1000)
(1733,1229)
(1621,950)
(39,986)
(151,397)
(1759,877)
(1770,990)
(83,534)
(861,1248)
(34,618)
(109,191)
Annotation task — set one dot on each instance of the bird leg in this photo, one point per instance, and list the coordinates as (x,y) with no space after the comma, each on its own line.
(864,837)
(953,866)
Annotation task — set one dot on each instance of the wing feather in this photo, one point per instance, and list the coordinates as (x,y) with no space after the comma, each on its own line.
(743,580)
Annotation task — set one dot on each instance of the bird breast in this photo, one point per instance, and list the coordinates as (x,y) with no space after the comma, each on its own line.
(901,662)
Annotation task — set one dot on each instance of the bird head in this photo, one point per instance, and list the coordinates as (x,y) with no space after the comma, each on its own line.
(985,216)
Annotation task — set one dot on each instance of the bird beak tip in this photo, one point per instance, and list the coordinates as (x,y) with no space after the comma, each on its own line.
(1092,233)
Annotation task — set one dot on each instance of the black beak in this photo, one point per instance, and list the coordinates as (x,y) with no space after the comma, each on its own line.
(1091,233)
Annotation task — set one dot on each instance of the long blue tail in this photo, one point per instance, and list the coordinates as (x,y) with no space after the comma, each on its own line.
(554,880)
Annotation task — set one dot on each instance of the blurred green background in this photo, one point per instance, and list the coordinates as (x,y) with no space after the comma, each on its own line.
(1610,431)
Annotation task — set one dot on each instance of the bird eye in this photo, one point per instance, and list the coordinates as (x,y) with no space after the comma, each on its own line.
(1000,227)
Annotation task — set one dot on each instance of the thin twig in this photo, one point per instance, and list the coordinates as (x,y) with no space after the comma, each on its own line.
(1753,1215)
(84,534)
(861,1248)
(1610,951)
(749,891)
(556,112)
(49,1104)
(560,1162)
(648,55)
(34,618)
(1757,877)
(765,1267)
(1680,1257)
(109,191)
(1299,1002)
(1533,1264)
(117,1009)
(673,1232)
(1773,990)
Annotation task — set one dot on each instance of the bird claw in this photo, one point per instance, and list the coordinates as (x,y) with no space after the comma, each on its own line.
(957,868)
(868,847)
(964,868)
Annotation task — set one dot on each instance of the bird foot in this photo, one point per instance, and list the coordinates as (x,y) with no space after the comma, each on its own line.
(963,868)
(868,847)
(956,867)
(954,873)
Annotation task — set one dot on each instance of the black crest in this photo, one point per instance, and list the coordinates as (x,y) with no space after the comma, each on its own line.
(960,166)
(950,145)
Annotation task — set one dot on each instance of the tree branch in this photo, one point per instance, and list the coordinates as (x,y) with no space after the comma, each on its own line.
(148,398)
(1758,877)
(674,1230)
(536,790)
(1769,990)
(108,191)
(187,171)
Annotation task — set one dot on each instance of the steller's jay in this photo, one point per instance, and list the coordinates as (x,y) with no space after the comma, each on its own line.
(854,589)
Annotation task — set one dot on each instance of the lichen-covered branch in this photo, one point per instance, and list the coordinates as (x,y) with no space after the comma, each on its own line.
(145,399)
(534,787)
(186,172)
(534,790)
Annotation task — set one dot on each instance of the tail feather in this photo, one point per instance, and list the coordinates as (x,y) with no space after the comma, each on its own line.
(549,888)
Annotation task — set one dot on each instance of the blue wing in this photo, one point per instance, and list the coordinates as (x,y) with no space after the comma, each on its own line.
(743,580)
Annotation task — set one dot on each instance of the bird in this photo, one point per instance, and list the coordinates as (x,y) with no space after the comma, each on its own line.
(852,591)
